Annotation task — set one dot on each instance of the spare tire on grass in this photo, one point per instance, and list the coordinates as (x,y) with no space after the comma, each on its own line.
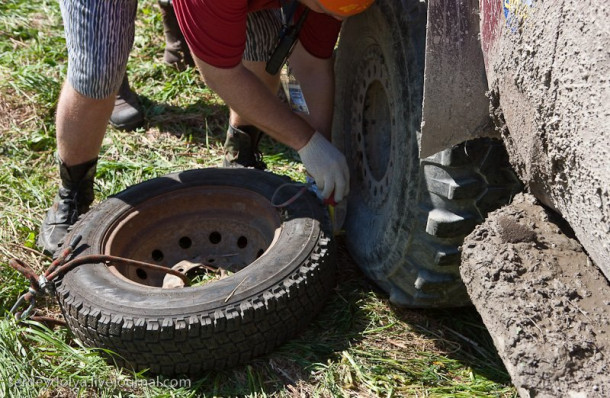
(280,263)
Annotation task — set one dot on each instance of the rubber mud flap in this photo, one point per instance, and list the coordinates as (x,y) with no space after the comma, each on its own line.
(406,216)
(282,263)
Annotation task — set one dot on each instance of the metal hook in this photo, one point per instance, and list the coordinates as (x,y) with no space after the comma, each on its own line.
(22,299)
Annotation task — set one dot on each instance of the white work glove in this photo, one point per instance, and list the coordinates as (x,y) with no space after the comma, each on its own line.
(327,166)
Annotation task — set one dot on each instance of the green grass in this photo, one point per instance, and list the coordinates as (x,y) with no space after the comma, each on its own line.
(359,345)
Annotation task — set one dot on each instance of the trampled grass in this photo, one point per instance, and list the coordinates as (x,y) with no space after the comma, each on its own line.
(359,345)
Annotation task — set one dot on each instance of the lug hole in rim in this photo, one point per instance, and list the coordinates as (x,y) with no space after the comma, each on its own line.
(157,255)
(215,237)
(242,242)
(141,273)
(185,242)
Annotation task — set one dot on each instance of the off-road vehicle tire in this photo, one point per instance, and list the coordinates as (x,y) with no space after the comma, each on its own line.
(406,217)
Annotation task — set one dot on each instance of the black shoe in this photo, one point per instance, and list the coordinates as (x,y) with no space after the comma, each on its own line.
(127,114)
(59,218)
(241,148)
(73,199)
(178,58)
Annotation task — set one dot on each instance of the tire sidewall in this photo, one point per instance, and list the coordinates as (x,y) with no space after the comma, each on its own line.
(96,286)
(375,227)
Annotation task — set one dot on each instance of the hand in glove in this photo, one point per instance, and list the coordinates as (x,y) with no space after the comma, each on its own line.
(327,165)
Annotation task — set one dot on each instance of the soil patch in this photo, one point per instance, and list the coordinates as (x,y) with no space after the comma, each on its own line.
(13,113)
(546,305)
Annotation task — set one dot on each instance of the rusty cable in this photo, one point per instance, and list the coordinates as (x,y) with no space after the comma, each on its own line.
(26,271)
(301,191)
(48,321)
(103,258)
(59,267)
(63,255)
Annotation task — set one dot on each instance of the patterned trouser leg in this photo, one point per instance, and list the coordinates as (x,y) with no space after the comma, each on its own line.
(99,37)
(262,32)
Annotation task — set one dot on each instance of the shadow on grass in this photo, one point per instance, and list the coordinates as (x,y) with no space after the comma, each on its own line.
(201,121)
(460,334)
(456,333)
(205,123)
(360,335)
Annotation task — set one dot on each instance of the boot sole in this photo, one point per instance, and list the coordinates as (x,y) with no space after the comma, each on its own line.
(127,126)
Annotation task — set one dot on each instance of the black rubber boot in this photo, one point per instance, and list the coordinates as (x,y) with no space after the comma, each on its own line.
(74,197)
(241,148)
(177,53)
(127,114)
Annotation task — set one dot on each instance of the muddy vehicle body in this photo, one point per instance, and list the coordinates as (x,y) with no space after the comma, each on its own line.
(448,109)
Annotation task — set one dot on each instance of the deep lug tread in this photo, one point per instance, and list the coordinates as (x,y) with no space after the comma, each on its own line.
(454,189)
(406,238)
(445,224)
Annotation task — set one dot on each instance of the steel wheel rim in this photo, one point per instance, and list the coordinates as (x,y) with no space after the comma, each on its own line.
(221,226)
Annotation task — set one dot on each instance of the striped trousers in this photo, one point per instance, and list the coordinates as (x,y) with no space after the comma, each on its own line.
(99,36)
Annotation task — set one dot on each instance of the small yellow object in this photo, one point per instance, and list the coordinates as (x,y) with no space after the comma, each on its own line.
(331,212)
(337,217)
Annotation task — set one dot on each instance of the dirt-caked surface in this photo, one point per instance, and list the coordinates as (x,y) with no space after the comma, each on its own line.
(545,303)
(548,73)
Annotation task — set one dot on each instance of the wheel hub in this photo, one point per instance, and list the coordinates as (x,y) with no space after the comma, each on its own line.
(373,126)
(220,226)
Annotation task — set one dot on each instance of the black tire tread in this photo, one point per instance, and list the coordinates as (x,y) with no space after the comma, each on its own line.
(186,345)
(232,336)
(433,256)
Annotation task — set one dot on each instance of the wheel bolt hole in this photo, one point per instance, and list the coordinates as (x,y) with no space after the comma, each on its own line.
(242,242)
(185,242)
(215,237)
(141,273)
(157,255)
(211,260)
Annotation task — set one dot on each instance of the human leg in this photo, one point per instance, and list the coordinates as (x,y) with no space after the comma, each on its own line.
(241,146)
(99,36)
(81,124)
(316,77)
(176,53)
